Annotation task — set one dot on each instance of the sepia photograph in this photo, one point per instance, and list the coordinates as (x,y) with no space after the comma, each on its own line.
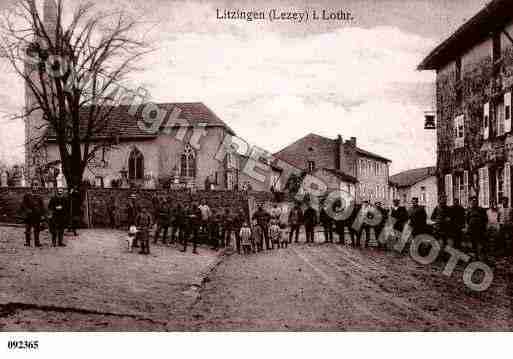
(296,166)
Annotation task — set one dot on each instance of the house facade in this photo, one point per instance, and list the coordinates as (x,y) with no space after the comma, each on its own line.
(474,81)
(421,183)
(341,165)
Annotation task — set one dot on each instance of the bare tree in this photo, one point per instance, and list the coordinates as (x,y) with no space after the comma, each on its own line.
(73,70)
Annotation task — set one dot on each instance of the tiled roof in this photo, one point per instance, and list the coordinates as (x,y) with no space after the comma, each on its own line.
(410,177)
(316,140)
(341,175)
(495,14)
(122,124)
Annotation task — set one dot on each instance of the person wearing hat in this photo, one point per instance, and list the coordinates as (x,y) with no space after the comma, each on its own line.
(418,218)
(74,210)
(59,212)
(381,225)
(33,211)
(327,224)
(477,221)
(163,221)
(143,223)
(442,219)
(192,218)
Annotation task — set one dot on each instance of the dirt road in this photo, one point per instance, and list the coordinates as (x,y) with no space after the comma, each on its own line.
(333,287)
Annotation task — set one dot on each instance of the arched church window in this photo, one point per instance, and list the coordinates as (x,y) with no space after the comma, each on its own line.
(188,162)
(136,165)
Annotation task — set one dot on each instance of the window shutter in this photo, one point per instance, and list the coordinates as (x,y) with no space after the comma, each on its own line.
(486,188)
(465,189)
(481,187)
(507,181)
(448,189)
(507,112)
(486,120)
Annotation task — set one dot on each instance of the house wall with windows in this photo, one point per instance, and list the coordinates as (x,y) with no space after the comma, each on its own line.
(316,154)
(426,191)
(373,175)
(473,99)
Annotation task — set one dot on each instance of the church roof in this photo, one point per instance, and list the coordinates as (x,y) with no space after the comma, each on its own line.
(124,125)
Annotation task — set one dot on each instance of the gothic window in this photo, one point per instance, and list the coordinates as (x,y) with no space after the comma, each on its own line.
(136,165)
(188,162)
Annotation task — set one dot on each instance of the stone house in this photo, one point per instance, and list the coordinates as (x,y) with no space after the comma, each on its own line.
(474,80)
(341,165)
(419,182)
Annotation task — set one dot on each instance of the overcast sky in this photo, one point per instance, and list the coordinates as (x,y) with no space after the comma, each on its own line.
(276,82)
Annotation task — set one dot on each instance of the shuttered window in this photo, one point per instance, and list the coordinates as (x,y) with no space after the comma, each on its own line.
(449,189)
(464,199)
(459,130)
(486,121)
(507,181)
(507,112)
(484,187)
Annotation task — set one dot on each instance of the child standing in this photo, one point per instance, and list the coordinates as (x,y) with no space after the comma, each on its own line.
(245,238)
(275,234)
(258,236)
(283,238)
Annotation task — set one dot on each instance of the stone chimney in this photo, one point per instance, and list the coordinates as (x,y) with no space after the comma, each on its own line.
(353,141)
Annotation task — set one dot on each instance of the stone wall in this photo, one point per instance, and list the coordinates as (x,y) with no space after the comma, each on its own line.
(478,85)
(95,208)
(99,200)
(10,201)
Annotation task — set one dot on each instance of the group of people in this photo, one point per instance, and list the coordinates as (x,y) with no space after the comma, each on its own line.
(60,214)
(186,223)
(486,229)
(183,224)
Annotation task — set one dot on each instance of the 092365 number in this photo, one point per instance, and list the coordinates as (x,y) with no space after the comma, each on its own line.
(23,344)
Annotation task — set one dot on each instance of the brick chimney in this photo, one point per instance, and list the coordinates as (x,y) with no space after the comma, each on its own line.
(339,145)
(348,157)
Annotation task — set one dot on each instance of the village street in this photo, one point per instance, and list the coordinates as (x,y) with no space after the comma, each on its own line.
(93,284)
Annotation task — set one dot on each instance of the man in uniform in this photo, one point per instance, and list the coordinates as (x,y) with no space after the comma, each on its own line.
(59,212)
(143,223)
(327,225)
(476,222)
(442,218)
(458,223)
(192,223)
(295,219)
(33,210)
(418,218)
(163,221)
(262,218)
(310,220)
(400,214)
(381,225)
